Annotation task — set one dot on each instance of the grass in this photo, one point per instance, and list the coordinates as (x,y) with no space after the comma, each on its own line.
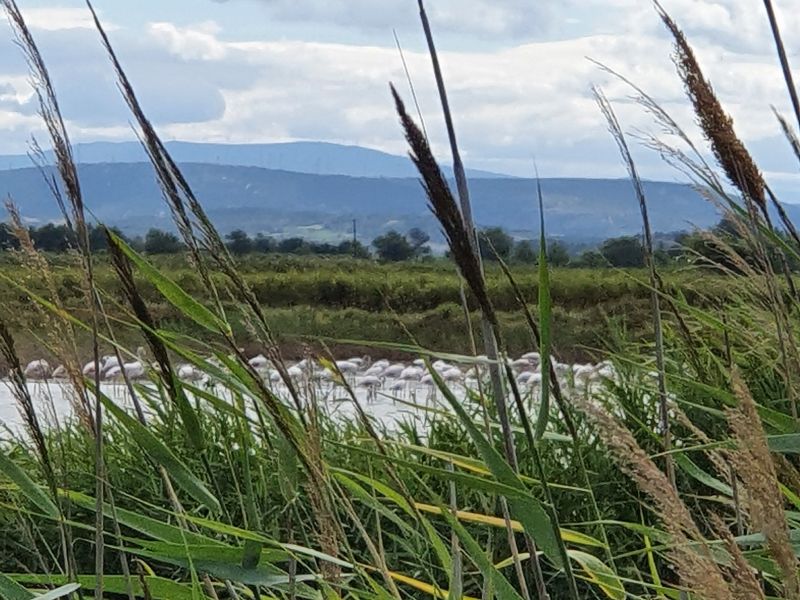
(345,299)
(245,490)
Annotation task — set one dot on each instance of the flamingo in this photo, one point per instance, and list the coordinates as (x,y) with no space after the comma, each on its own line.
(259,362)
(347,366)
(371,383)
(412,374)
(375,370)
(453,375)
(60,372)
(187,372)
(38,369)
(106,362)
(393,371)
(399,387)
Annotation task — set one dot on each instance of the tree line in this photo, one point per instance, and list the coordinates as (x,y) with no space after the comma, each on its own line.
(394,246)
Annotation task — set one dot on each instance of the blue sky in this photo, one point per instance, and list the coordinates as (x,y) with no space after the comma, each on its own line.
(278,70)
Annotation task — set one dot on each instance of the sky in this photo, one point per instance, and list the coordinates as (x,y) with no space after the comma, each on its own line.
(518,73)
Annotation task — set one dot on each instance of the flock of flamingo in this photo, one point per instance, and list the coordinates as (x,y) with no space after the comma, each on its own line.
(399,378)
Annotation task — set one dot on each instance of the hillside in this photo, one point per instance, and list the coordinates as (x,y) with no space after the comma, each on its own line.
(323,206)
(319,158)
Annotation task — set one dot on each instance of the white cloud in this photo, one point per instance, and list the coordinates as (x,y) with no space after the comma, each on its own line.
(57,18)
(195,43)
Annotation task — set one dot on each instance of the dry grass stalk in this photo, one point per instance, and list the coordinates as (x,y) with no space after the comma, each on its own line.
(68,171)
(783,58)
(789,133)
(755,467)
(185,206)
(689,553)
(658,330)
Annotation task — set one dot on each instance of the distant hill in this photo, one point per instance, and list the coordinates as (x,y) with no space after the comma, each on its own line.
(323,206)
(319,158)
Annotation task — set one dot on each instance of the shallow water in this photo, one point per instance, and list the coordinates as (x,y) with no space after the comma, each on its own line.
(54,407)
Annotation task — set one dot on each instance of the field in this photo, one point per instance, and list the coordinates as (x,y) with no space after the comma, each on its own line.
(343,299)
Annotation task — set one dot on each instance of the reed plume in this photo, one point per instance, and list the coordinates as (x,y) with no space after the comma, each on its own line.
(754,465)
(716,124)
(688,552)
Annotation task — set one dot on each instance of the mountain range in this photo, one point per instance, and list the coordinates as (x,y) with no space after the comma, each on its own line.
(319,158)
(246,189)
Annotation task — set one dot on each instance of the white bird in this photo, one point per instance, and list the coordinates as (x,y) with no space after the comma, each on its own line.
(524,377)
(398,386)
(113,373)
(427,379)
(606,370)
(440,366)
(453,374)
(521,363)
(60,372)
(359,362)
(532,356)
(411,374)
(420,362)
(38,369)
(371,384)
(383,363)
(134,370)
(370,381)
(259,362)
(562,369)
(188,372)
(347,366)
(295,372)
(375,370)
(393,371)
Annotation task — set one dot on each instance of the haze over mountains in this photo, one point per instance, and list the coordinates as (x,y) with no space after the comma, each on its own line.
(315,190)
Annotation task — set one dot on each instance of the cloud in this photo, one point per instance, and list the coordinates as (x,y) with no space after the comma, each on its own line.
(489,18)
(526,96)
(195,43)
(58,18)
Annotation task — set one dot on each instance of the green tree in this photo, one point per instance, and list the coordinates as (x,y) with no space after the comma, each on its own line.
(239,243)
(162,242)
(263,243)
(393,247)
(418,238)
(51,238)
(525,252)
(293,245)
(355,249)
(626,251)
(557,254)
(97,238)
(495,237)
(592,259)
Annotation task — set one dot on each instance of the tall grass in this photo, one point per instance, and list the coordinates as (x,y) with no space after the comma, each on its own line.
(241,488)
